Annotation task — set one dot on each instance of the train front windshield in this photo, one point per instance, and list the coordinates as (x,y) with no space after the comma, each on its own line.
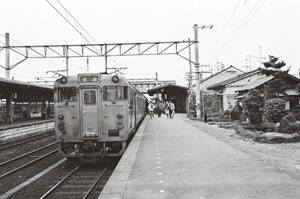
(65,94)
(115,92)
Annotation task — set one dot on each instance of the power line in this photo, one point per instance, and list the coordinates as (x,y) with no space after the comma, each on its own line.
(243,24)
(77,21)
(225,26)
(68,21)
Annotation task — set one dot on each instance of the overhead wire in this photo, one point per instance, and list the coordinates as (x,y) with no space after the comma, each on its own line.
(77,21)
(70,23)
(93,39)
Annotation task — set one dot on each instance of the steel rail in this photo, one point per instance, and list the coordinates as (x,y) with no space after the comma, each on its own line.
(29,153)
(60,182)
(94,185)
(23,141)
(27,164)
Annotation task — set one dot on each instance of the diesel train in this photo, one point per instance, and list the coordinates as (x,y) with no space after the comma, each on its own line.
(96,114)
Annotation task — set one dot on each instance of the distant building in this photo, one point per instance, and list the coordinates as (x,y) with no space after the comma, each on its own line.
(220,76)
(233,89)
(227,89)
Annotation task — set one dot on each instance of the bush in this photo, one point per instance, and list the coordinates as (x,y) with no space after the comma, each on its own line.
(274,109)
(252,104)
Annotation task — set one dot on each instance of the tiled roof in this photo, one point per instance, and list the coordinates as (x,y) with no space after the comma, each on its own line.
(256,83)
(207,78)
(233,79)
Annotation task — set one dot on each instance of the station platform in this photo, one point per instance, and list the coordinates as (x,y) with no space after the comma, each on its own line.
(171,158)
(23,123)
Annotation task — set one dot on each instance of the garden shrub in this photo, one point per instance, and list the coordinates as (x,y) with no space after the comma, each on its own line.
(252,105)
(274,109)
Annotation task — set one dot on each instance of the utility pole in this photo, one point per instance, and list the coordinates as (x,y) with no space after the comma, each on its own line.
(156,79)
(7,61)
(197,66)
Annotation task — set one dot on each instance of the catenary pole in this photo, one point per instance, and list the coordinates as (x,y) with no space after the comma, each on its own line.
(7,61)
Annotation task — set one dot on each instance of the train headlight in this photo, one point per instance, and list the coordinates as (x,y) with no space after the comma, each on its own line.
(115,79)
(60,117)
(119,116)
(64,80)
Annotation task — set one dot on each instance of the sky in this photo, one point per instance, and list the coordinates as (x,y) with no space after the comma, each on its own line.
(240,28)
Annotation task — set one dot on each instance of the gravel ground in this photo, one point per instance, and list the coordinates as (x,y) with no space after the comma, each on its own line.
(42,185)
(24,174)
(19,162)
(24,148)
(283,157)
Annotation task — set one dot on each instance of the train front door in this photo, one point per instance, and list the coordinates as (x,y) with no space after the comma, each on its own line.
(90,116)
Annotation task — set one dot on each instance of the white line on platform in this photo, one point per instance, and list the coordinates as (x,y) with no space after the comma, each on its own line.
(161,191)
(161,181)
(31,180)
(159,173)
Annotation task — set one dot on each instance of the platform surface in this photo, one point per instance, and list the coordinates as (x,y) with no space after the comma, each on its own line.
(170,158)
(18,124)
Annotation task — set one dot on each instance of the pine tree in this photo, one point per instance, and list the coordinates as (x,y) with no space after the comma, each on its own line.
(274,68)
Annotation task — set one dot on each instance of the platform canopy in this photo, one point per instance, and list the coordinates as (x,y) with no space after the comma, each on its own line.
(177,94)
(20,91)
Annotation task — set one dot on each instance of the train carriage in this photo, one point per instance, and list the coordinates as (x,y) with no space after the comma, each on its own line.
(96,114)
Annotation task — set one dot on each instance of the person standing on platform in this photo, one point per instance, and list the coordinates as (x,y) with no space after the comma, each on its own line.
(172,109)
(167,108)
(160,108)
(151,107)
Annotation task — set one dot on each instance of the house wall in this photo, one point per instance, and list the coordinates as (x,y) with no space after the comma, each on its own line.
(229,92)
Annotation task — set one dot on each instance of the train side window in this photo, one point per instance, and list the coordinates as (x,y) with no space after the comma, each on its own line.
(89,97)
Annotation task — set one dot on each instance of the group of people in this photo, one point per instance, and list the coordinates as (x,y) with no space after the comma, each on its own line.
(165,107)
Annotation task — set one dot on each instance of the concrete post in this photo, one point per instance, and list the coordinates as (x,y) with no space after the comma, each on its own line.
(197,65)
(8,108)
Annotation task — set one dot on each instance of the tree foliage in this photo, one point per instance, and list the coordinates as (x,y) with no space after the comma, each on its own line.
(252,104)
(273,67)
(274,109)
(212,104)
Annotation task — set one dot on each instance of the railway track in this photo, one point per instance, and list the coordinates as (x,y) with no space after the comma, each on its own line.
(81,182)
(17,142)
(11,166)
